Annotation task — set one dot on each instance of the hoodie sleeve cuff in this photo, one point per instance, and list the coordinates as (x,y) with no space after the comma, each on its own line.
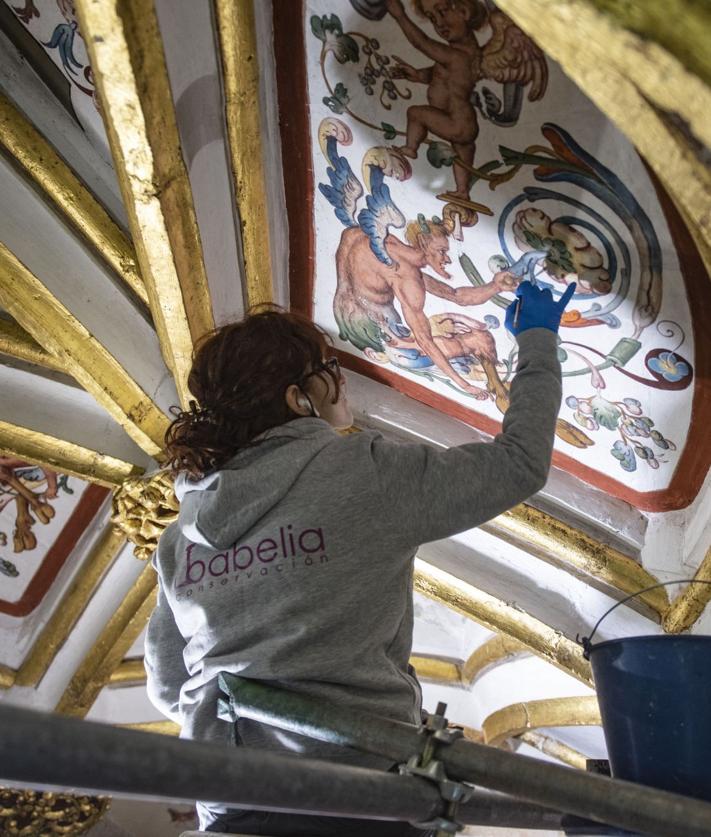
(538,339)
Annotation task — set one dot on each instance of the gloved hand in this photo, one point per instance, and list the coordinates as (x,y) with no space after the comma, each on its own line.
(536,308)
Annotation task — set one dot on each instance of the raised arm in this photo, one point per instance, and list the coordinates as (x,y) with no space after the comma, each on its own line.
(432,494)
(401,69)
(412,298)
(436,50)
(474,295)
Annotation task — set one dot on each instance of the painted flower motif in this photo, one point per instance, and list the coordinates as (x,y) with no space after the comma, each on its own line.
(328,29)
(624,453)
(634,407)
(661,442)
(669,366)
(605,412)
(625,417)
(586,421)
(647,454)
(63,41)
(571,257)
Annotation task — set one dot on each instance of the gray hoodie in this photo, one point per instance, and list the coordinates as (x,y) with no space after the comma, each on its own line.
(293,564)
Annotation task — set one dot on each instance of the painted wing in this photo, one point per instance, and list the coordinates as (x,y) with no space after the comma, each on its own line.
(510,56)
(379,215)
(345,188)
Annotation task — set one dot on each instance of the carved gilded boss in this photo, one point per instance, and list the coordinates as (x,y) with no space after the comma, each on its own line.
(142,508)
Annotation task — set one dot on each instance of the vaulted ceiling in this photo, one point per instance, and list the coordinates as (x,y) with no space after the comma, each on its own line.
(165,166)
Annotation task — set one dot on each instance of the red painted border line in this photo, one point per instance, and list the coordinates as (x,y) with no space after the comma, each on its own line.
(294,109)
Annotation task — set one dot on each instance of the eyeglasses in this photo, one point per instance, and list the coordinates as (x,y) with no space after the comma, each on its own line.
(331,365)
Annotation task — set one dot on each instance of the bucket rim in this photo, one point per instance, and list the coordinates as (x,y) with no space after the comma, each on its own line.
(646,637)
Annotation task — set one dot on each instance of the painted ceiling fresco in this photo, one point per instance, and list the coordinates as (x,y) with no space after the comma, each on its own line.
(449,160)
(54,25)
(42,516)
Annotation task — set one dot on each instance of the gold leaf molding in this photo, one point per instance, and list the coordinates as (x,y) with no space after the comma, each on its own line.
(126,54)
(513,720)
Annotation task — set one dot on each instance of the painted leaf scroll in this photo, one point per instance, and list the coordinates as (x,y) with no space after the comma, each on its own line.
(42,516)
(54,25)
(451,160)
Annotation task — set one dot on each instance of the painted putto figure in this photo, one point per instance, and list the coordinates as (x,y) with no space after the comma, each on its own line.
(508,57)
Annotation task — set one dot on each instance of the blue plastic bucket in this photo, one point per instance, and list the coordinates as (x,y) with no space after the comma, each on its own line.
(655,702)
(654,694)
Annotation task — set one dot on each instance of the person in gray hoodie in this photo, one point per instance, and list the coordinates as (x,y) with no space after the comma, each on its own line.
(291,561)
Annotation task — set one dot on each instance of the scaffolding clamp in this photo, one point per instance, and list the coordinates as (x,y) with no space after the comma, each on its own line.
(426,766)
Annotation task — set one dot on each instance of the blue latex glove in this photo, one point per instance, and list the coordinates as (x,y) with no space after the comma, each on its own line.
(536,308)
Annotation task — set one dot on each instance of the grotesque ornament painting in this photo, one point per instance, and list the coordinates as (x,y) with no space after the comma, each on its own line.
(42,516)
(451,160)
(30,488)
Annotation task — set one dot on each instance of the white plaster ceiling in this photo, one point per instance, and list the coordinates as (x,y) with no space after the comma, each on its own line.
(670,545)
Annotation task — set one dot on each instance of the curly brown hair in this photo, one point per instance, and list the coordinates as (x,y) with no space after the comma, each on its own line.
(239,377)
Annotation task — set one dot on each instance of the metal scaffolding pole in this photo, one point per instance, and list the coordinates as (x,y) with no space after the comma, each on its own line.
(624,804)
(41,750)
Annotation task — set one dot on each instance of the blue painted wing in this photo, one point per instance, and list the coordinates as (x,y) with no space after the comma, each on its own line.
(380,214)
(345,188)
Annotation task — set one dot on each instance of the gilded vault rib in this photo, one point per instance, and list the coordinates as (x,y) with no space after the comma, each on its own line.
(240,68)
(16,342)
(497,615)
(691,602)
(557,749)
(80,353)
(568,548)
(496,650)
(513,720)
(67,612)
(126,53)
(105,655)
(649,88)
(66,457)
(41,164)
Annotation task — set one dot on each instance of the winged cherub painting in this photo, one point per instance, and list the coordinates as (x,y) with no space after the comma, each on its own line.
(508,57)
(458,161)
